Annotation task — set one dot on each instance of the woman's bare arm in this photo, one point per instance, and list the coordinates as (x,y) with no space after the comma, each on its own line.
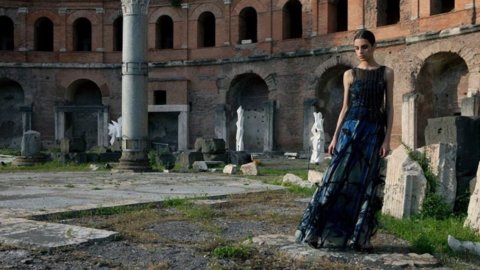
(347,81)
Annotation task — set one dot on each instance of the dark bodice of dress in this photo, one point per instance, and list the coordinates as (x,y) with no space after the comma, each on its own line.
(367,95)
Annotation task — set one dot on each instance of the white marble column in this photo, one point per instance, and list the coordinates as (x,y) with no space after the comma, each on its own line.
(134,86)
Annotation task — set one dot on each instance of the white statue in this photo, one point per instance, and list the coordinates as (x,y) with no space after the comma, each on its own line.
(317,139)
(239,137)
(115,130)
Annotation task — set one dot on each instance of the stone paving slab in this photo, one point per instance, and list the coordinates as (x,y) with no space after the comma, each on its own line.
(43,235)
(286,245)
(26,194)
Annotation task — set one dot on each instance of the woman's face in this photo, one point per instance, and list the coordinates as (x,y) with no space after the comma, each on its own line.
(363,49)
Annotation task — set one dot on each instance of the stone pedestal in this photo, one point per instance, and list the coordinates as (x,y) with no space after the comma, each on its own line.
(134,87)
(473,218)
(442,159)
(30,151)
(405,185)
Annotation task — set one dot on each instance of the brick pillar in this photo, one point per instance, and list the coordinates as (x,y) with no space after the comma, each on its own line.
(355,15)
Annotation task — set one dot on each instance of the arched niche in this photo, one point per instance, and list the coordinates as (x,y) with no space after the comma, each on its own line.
(442,83)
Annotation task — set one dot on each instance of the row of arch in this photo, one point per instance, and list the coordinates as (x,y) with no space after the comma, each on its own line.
(388,12)
(164,36)
(442,80)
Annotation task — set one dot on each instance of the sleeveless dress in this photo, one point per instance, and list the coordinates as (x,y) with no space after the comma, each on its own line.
(342,211)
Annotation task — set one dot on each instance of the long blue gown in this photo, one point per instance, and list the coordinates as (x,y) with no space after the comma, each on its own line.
(342,211)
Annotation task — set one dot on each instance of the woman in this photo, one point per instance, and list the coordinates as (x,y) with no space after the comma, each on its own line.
(342,210)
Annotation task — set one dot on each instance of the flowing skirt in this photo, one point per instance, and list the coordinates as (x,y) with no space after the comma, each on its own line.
(342,211)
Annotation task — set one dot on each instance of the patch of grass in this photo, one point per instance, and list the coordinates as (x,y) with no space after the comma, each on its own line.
(101,211)
(429,234)
(10,152)
(232,252)
(176,202)
(300,190)
(302,173)
(197,212)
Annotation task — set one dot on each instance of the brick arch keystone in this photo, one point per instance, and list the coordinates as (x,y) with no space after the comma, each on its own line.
(90,15)
(257,5)
(173,13)
(101,83)
(217,12)
(224,84)
(305,3)
(34,16)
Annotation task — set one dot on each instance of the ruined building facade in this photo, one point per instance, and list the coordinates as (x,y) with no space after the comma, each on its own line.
(60,66)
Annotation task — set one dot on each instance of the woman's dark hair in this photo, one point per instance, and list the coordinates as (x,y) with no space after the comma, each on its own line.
(365,34)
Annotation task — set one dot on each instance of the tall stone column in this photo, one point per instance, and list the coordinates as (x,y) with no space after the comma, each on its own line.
(134,86)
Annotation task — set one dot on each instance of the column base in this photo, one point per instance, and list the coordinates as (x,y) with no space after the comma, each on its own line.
(134,162)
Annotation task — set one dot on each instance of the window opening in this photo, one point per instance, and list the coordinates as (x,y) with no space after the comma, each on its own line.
(248,25)
(43,35)
(118,34)
(82,29)
(206,30)
(6,33)
(292,19)
(165,32)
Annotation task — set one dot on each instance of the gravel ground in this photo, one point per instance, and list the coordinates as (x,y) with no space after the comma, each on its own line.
(185,237)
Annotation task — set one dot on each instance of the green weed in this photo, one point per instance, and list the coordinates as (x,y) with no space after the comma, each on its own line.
(232,252)
(429,234)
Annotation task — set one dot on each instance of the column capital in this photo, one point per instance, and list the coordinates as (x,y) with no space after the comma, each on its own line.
(131,7)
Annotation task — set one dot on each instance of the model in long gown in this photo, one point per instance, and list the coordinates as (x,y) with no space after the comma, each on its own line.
(342,211)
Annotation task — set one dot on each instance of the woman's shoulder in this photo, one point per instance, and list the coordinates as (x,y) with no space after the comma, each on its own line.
(388,72)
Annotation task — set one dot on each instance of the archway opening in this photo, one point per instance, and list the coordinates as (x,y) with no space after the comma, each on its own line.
(206,30)
(388,12)
(292,19)
(6,33)
(251,92)
(82,35)
(12,99)
(442,83)
(83,122)
(247,26)
(441,6)
(330,98)
(164,33)
(44,35)
(118,34)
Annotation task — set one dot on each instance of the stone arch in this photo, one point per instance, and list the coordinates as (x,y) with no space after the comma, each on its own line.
(224,83)
(82,122)
(65,86)
(112,16)
(329,92)
(12,98)
(442,83)
(217,12)
(250,91)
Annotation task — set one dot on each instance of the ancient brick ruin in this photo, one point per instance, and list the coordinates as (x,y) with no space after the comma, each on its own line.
(61,67)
